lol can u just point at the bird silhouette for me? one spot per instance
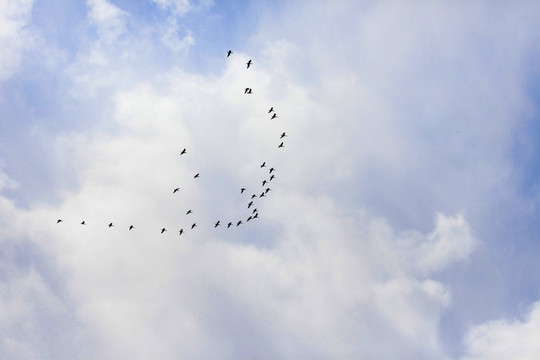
(59, 221)
(163, 230)
(274, 115)
(217, 224)
(280, 145)
(238, 223)
(196, 176)
(242, 190)
(249, 205)
(249, 218)
(254, 211)
(250, 91)
(271, 178)
(131, 227)
(229, 53)
(83, 223)
(246, 90)
(253, 196)
(263, 164)
(262, 195)
(183, 152)
(267, 190)
(229, 225)
(189, 212)
(194, 224)
(175, 190)
(181, 231)
(248, 64)
(111, 225)
(264, 182)
(282, 136)
(271, 109)
(271, 169)
(256, 216)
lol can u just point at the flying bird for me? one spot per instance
(272, 169)
(238, 223)
(246, 90)
(217, 224)
(111, 225)
(163, 230)
(263, 164)
(181, 231)
(196, 176)
(254, 211)
(83, 223)
(264, 182)
(194, 224)
(282, 136)
(175, 190)
(250, 91)
(242, 190)
(249, 218)
(256, 216)
(131, 227)
(274, 115)
(267, 190)
(229, 53)
(183, 152)
(59, 221)
(229, 225)
(280, 145)
(253, 196)
(248, 64)
(249, 205)
(271, 109)
(263, 194)
(189, 212)
(272, 177)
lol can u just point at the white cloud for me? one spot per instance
(178, 7)
(109, 19)
(505, 339)
(170, 37)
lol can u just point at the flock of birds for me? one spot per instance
(253, 213)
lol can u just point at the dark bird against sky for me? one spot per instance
(229, 53)
(248, 64)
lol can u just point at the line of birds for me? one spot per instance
(254, 213)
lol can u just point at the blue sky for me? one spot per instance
(404, 210)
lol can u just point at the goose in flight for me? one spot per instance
(280, 145)
(271, 109)
(59, 221)
(229, 53)
(254, 211)
(196, 176)
(229, 225)
(181, 231)
(248, 63)
(183, 152)
(192, 226)
(249, 205)
(242, 190)
(175, 190)
(272, 169)
(250, 91)
(272, 177)
(217, 224)
(264, 182)
(253, 196)
(246, 90)
(238, 223)
(263, 164)
(256, 216)
(83, 223)
(189, 212)
(131, 227)
(267, 190)
(274, 115)
(249, 218)
(163, 230)
(262, 195)
(111, 225)
(282, 136)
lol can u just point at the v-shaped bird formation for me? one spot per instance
(254, 213)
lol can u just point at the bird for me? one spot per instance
(249, 218)
(83, 223)
(248, 63)
(274, 115)
(271, 169)
(175, 190)
(263, 194)
(217, 224)
(194, 224)
(242, 190)
(254, 211)
(196, 176)
(253, 196)
(246, 90)
(272, 177)
(250, 91)
(181, 231)
(131, 227)
(263, 164)
(189, 212)
(280, 145)
(256, 216)
(183, 152)
(282, 136)
(229, 53)
(249, 205)
(238, 223)
(59, 221)
(267, 190)
(163, 230)
(264, 182)
(229, 225)
(271, 109)
(111, 225)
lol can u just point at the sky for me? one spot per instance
(402, 222)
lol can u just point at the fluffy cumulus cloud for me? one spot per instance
(385, 156)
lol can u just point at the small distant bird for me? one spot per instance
(131, 227)
(59, 221)
(254, 211)
(111, 225)
(263, 164)
(181, 231)
(272, 177)
(250, 91)
(175, 190)
(194, 224)
(271, 109)
(238, 223)
(163, 230)
(196, 176)
(253, 196)
(183, 152)
(229, 225)
(229, 53)
(189, 212)
(282, 136)
(249, 218)
(267, 190)
(83, 223)
(280, 145)
(249, 205)
(256, 216)
(264, 182)
(271, 169)
(262, 195)
(248, 64)
(242, 190)
(246, 90)
(274, 115)
(217, 224)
